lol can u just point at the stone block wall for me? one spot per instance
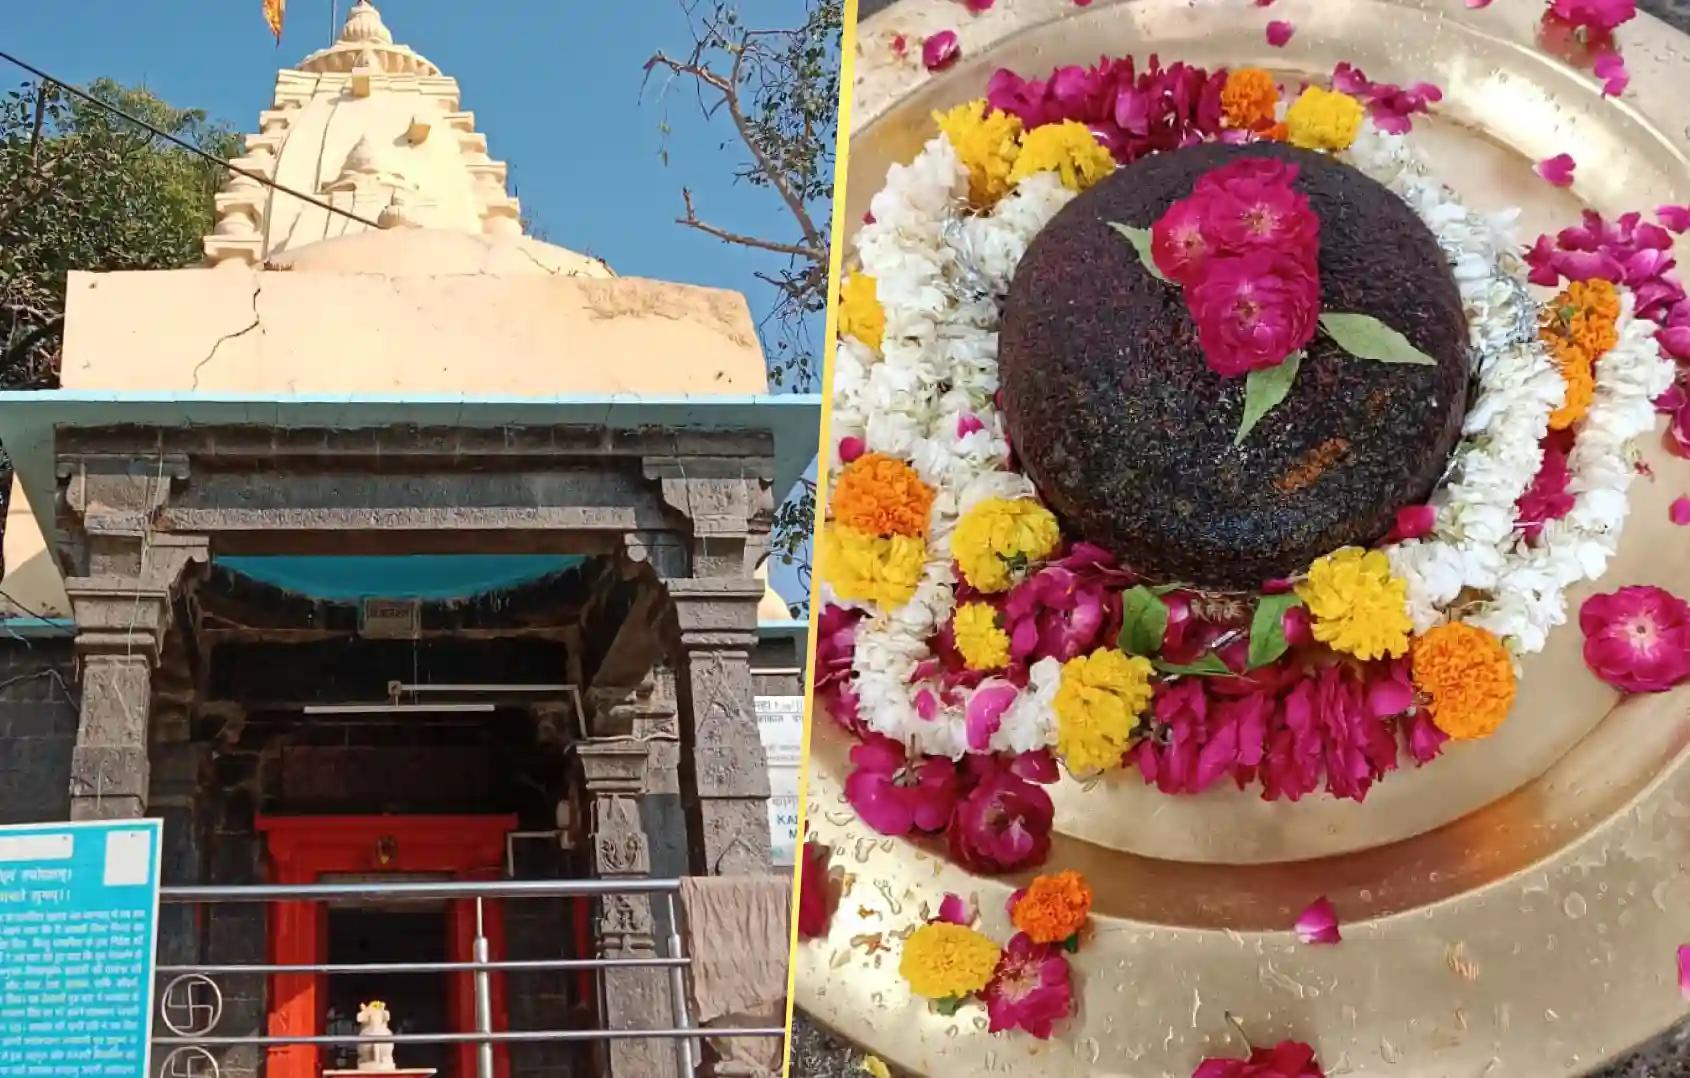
(38, 716)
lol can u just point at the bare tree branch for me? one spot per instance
(691, 221)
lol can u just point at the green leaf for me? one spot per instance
(1207, 666)
(1267, 628)
(1140, 239)
(1144, 620)
(949, 1005)
(1366, 337)
(1263, 390)
(1072, 944)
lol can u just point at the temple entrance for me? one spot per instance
(370, 929)
(372, 933)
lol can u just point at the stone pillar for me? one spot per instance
(121, 622)
(724, 773)
(614, 773)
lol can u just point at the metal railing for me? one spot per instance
(484, 1037)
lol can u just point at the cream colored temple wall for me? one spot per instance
(271, 332)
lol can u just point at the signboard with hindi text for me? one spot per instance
(780, 721)
(78, 930)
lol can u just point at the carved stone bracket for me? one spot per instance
(121, 626)
(645, 711)
(728, 506)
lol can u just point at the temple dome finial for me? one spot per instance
(363, 24)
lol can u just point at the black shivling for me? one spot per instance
(1128, 434)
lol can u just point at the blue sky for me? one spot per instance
(555, 85)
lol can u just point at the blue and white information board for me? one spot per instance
(78, 930)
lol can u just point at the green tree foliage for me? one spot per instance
(780, 90)
(82, 189)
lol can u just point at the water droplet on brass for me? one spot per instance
(892, 902)
(1574, 906)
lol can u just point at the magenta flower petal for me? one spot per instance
(1610, 68)
(1287, 1059)
(1279, 32)
(1684, 970)
(1475, 4)
(967, 424)
(1413, 521)
(1637, 639)
(941, 50)
(1558, 170)
(1297, 626)
(851, 448)
(1676, 218)
(1318, 923)
(977, 6)
(953, 910)
(1680, 511)
(985, 711)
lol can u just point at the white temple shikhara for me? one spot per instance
(416, 448)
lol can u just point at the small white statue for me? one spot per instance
(373, 1022)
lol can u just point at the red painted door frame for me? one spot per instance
(305, 848)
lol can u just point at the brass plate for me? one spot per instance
(1512, 909)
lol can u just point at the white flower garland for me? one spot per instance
(1477, 553)
(940, 273)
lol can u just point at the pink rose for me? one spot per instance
(1030, 989)
(894, 794)
(1002, 825)
(1637, 639)
(1254, 310)
(1177, 242)
(1251, 204)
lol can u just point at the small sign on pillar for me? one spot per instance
(390, 619)
(780, 722)
(78, 926)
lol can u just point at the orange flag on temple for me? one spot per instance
(273, 11)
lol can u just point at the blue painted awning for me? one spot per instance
(433, 577)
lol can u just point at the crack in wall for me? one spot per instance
(257, 287)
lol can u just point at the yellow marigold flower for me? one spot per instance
(1249, 98)
(881, 495)
(987, 142)
(1467, 676)
(1322, 119)
(984, 646)
(1068, 148)
(1356, 605)
(943, 961)
(874, 1067)
(1000, 537)
(871, 568)
(860, 313)
(1097, 706)
(1053, 908)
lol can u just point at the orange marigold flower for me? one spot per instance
(1595, 296)
(1467, 677)
(1278, 132)
(881, 495)
(1052, 908)
(1249, 98)
(1580, 377)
